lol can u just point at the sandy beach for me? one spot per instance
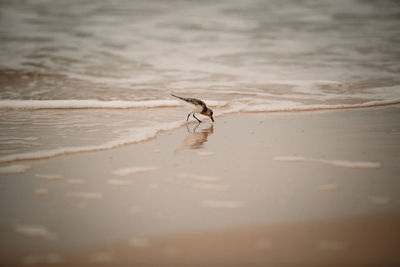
(99, 167)
(276, 189)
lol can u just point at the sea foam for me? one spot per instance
(239, 105)
(336, 163)
(134, 170)
(118, 182)
(137, 136)
(204, 178)
(289, 106)
(95, 104)
(12, 169)
(85, 195)
(34, 231)
(51, 177)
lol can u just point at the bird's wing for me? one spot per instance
(193, 104)
(195, 101)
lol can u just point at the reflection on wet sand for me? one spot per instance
(197, 135)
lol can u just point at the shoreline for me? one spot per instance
(49, 154)
(246, 173)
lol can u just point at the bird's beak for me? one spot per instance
(212, 119)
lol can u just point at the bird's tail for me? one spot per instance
(177, 96)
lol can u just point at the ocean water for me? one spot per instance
(85, 75)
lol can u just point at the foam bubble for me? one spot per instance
(351, 164)
(51, 177)
(289, 158)
(328, 187)
(41, 191)
(197, 177)
(85, 195)
(118, 182)
(12, 169)
(336, 163)
(75, 181)
(34, 231)
(134, 170)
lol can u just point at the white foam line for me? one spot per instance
(202, 178)
(52, 177)
(336, 163)
(94, 104)
(205, 153)
(144, 134)
(34, 231)
(238, 106)
(134, 170)
(75, 181)
(328, 187)
(118, 182)
(84, 104)
(235, 107)
(41, 191)
(351, 164)
(283, 107)
(12, 169)
(85, 195)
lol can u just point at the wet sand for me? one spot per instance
(358, 241)
(279, 189)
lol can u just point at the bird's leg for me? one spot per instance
(195, 128)
(196, 118)
(188, 116)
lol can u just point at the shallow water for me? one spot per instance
(116, 63)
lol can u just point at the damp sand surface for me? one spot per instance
(337, 242)
(321, 187)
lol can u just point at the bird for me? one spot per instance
(197, 106)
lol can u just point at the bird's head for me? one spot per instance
(210, 113)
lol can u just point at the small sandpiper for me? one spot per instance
(197, 106)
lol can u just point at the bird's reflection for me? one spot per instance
(197, 135)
